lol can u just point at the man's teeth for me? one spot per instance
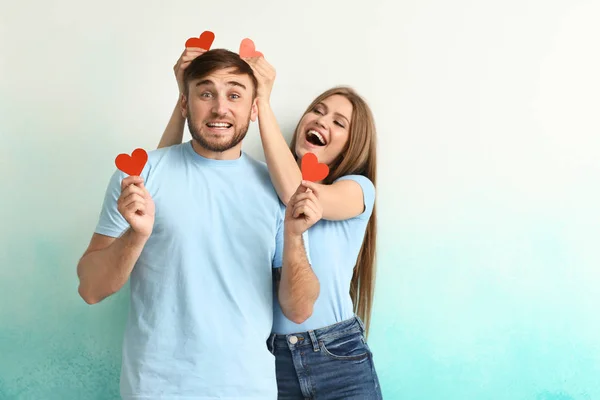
(219, 125)
(318, 135)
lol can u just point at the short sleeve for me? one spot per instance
(111, 222)
(368, 190)
(278, 257)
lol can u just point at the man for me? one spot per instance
(197, 233)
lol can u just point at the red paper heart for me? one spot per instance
(247, 49)
(134, 164)
(312, 169)
(204, 41)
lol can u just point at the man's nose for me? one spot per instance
(220, 106)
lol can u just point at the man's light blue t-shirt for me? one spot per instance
(201, 291)
(333, 248)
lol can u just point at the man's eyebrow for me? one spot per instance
(205, 82)
(211, 83)
(236, 83)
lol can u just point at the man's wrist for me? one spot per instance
(137, 239)
(291, 235)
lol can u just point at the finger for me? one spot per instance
(135, 207)
(311, 185)
(306, 211)
(305, 195)
(131, 180)
(132, 189)
(261, 67)
(189, 58)
(298, 211)
(265, 66)
(305, 204)
(132, 198)
(146, 193)
(184, 65)
(193, 52)
(300, 189)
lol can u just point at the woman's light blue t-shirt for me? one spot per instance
(333, 248)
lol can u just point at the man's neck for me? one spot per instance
(231, 154)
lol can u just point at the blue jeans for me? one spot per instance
(334, 362)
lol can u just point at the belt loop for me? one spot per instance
(360, 323)
(313, 339)
(272, 342)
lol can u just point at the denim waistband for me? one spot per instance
(311, 338)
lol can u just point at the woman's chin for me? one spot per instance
(309, 149)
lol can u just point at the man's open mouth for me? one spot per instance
(219, 125)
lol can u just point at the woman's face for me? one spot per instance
(325, 129)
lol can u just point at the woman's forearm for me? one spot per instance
(173, 133)
(283, 168)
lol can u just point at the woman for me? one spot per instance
(326, 356)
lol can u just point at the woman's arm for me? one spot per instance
(283, 168)
(173, 133)
(340, 200)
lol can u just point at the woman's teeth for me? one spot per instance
(316, 135)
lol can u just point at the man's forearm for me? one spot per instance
(299, 287)
(103, 272)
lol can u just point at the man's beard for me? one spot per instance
(216, 145)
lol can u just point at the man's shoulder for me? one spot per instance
(260, 172)
(259, 168)
(155, 155)
(256, 164)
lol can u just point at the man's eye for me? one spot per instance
(205, 94)
(235, 96)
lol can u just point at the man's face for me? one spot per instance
(219, 108)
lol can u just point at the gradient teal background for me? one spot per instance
(488, 190)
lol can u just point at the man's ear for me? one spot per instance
(254, 112)
(183, 105)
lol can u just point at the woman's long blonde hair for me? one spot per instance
(358, 157)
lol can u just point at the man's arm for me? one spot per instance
(107, 264)
(299, 287)
(108, 261)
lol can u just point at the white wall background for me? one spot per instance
(489, 144)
